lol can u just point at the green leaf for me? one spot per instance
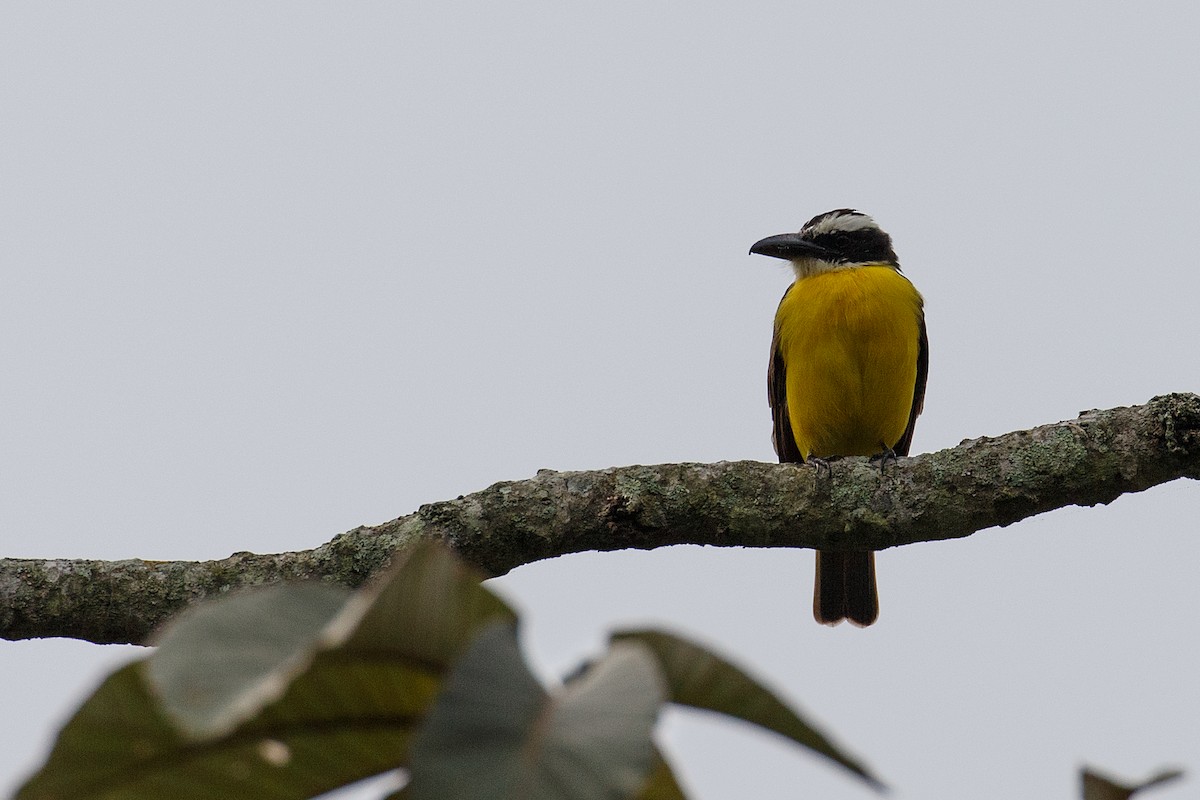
(219, 663)
(494, 733)
(661, 784)
(1098, 787)
(119, 746)
(316, 692)
(427, 607)
(699, 678)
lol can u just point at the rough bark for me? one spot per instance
(850, 504)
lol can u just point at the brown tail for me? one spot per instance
(845, 588)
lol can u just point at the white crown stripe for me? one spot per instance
(834, 223)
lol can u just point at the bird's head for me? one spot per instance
(839, 238)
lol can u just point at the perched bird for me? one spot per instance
(849, 361)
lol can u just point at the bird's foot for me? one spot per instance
(883, 458)
(823, 464)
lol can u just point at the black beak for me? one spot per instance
(789, 246)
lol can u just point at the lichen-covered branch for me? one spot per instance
(981, 483)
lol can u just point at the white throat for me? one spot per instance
(807, 267)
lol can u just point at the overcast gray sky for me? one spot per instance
(272, 271)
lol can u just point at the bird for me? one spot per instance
(847, 374)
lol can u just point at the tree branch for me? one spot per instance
(953, 493)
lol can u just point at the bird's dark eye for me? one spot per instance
(840, 242)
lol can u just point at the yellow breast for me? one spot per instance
(849, 339)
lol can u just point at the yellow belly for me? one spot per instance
(849, 339)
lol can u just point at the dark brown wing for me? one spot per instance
(901, 447)
(781, 435)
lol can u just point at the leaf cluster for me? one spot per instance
(293, 690)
